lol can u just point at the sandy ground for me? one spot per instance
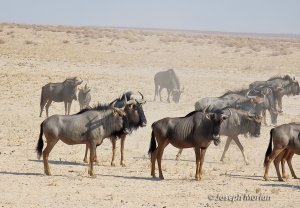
(111, 61)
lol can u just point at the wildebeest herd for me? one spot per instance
(231, 114)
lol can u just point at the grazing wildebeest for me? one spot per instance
(240, 122)
(89, 126)
(281, 85)
(196, 129)
(132, 102)
(84, 97)
(59, 92)
(283, 137)
(169, 80)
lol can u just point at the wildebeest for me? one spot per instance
(84, 97)
(59, 92)
(196, 129)
(89, 126)
(169, 80)
(240, 122)
(132, 103)
(283, 137)
(281, 85)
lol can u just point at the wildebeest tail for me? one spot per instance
(40, 144)
(152, 146)
(269, 150)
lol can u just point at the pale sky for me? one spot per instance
(254, 16)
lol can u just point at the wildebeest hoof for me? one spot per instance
(161, 177)
(266, 178)
(280, 179)
(123, 164)
(247, 163)
(113, 164)
(217, 142)
(85, 161)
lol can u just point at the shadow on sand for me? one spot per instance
(60, 162)
(16, 173)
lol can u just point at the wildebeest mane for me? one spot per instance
(176, 80)
(239, 92)
(285, 77)
(98, 107)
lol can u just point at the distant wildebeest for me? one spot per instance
(132, 103)
(283, 137)
(169, 80)
(239, 122)
(59, 92)
(197, 129)
(281, 85)
(84, 97)
(89, 126)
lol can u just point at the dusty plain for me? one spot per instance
(112, 60)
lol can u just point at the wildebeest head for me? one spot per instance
(216, 117)
(254, 125)
(121, 119)
(295, 87)
(133, 107)
(176, 93)
(71, 86)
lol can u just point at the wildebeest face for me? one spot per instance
(176, 95)
(254, 125)
(135, 114)
(121, 120)
(295, 88)
(216, 118)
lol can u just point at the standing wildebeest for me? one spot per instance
(59, 92)
(84, 97)
(197, 129)
(240, 122)
(132, 103)
(169, 80)
(283, 137)
(281, 85)
(89, 126)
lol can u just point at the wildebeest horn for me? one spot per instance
(249, 96)
(142, 101)
(204, 111)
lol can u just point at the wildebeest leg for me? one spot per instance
(113, 142)
(279, 98)
(50, 144)
(66, 107)
(153, 160)
(202, 155)
(43, 103)
(47, 107)
(69, 107)
(239, 144)
(276, 164)
(178, 154)
(264, 117)
(289, 161)
(169, 92)
(197, 154)
(85, 155)
(160, 150)
(122, 163)
(92, 157)
(229, 139)
(160, 89)
(283, 160)
(272, 156)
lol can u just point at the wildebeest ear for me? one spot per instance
(209, 116)
(118, 111)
